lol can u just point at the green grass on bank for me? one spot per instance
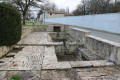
(27, 25)
(30, 24)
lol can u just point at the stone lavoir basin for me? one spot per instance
(70, 51)
(69, 55)
(46, 55)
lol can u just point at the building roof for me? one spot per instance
(68, 14)
(56, 12)
(60, 12)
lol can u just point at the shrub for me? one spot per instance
(10, 25)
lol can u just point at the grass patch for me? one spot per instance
(33, 25)
(16, 77)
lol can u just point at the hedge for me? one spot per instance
(10, 25)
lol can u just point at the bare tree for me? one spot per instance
(49, 6)
(96, 7)
(24, 5)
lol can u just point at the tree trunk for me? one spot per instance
(23, 19)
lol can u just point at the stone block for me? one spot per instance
(80, 64)
(101, 63)
(57, 65)
(89, 74)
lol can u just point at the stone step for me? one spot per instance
(88, 55)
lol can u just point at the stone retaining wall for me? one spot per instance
(40, 28)
(78, 35)
(104, 48)
(26, 31)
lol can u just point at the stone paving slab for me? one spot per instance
(59, 75)
(36, 38)
(4, 66)
(57, 65)
(99, 73)
(89, 74)
(30, 58)
(6, 59)
(80, 64)
(2, 74)
(50, 60)
(20, 58)
(25, 75)
(96, 63)
(99, 63)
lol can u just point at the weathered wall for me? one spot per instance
(78, 35)
(56, 36)
(39, 28)
(71, 48)
(63, 28)
(26, 31)
(104, 48)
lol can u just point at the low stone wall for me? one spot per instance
(105, 49)
(40, 28)
(78, 35)
(71, 48)
(57, 36)
(26, 31)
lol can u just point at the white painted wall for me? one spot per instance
(107, 22)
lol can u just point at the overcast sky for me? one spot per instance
(63, 4)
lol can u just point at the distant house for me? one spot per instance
(57, 14)
(68, 14)
(54, 14)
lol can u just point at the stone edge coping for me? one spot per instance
(78, 29)
(81, 64)
(94, 63)
(56, 24)
(104, 40)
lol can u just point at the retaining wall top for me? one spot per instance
(104, 40)
(80, 30)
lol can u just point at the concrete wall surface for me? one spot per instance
(106, 22)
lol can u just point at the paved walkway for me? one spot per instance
(40, 63)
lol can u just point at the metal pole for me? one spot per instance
(44, 17)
